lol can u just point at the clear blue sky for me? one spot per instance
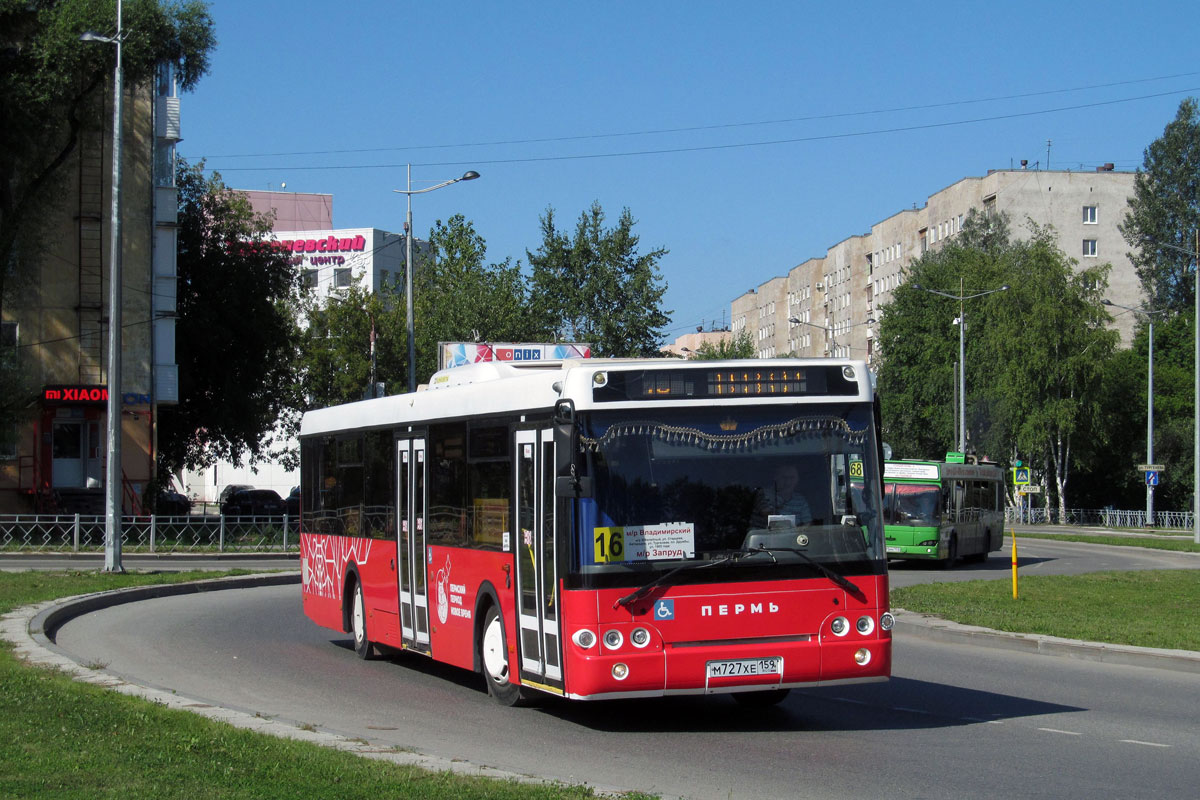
(745, 138)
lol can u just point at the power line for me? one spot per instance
(731, 146)
(719, 126)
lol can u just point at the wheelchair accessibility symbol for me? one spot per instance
(664, 609)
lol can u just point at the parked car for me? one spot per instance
(229, 490)
(172, 503)
(253, 502)
(291, 503)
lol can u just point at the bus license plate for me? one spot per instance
(893, 549)
(734, 668)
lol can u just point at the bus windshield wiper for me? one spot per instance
(642, 591)
(840, 580)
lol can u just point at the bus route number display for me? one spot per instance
(747, 383)
(671, 540)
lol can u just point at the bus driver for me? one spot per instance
(786, 498)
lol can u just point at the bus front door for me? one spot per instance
(410, 549)
(537, 580)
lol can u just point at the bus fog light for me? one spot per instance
(865, 625)
(840, 626)
(613, 639)
(640, 637)
(620, 671)
(887, 621)
(584, 638)
(862, 656)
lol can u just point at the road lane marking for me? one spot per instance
(1145, 744)
(1056, 730)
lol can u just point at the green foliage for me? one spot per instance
(595, 287)
(236, 332)
(52, 87)
(1035, 354)
(1164, 213)
(919, 341)
(1145, 609)
(457, 297)
(335, 347)
(738, 346)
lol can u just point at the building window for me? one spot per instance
(309, 279)
(989, 206)
(1089, 215)
(8, 334)
(341, 278)
(1089, 247)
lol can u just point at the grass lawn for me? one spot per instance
(1147, 609)
(1180, 544)
(62, 739)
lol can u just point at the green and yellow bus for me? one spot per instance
(942, 511)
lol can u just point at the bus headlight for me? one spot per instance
(865, 625)
(584, 638)
(887, 621)
(840, 626)
(640, 637)
(613, 639)
(848, 373)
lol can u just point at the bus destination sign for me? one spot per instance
(703, 384)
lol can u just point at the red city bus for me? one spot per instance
(608, 528)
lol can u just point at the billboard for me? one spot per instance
(457, 354)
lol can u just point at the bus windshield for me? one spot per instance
(911, 504)
(674, 486)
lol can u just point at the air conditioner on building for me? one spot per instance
(820, 286)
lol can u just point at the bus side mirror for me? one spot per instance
(572, 486)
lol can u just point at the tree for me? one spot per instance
(1164, 212)
(918, 341)
(739, 346)
(335, 347)
(457, 297)
(595, 287)
(1048, 350)
(235, 334)
(52, 88)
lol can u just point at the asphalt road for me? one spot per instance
(955, 720)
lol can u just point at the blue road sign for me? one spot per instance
(1021, 475)
(1151, 477)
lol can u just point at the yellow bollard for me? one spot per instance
(1013, 533)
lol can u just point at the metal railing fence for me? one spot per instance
(1098, 518)
(74, 533)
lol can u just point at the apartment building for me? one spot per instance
(837, 299)
(56, 458)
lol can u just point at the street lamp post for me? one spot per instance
(1196, 379)
(828, 329)
(1149, 401)
(113, 472)
(962, 352)
(470, 175)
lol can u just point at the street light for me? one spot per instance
(962, 352)
(1196, 384)
(113, 472)
(469, 175)
(828, 329)
(1149, 401)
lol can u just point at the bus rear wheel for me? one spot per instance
(358, 625)
(493, 655)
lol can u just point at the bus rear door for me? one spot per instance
(410, 549)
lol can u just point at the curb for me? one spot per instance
(30, 630)
(937, 629)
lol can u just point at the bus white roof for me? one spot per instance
(506, 388)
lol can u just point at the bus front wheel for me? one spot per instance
(493, 654)
(358, 625)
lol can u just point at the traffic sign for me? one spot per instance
(1150, 467)
(1021, 476)
(1030, 489)
(1152, 477)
